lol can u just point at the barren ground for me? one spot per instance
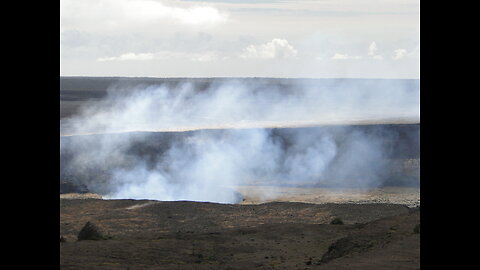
(292, 231)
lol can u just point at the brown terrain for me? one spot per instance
(146, 234)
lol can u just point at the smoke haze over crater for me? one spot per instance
(121, 148)
(233, 103)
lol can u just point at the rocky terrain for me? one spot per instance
(143, 234)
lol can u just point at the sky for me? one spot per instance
(228, 38)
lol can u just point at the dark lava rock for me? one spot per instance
(336, 221)
(416, 229)
(345, 246)
(90, 232)
(69, 187)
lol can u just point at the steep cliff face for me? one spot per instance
(68, 186)
(407, 166)
(388, 156)
(294, 132)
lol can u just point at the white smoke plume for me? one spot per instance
(130, 144)
(234, 104)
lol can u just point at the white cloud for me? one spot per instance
(135, 15)
(117, 37)
(399, 54)
(163, 55)
(277, 48)
(339, 56)
(204, 57)
(372, 49)
(151, 10)
(128, 56)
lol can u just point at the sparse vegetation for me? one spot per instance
(198, 237)
(336, 221)
(90, 232)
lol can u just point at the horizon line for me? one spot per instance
(235, 77)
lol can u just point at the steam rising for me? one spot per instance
(129, 144)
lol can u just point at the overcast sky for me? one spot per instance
(228, 38)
